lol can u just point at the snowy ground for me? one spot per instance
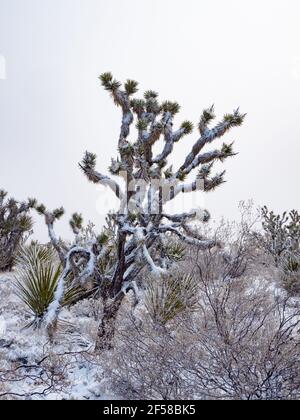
(31, 368)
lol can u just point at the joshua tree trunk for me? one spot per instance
(111, 306)
(106, 330)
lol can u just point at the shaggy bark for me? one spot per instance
(106, 330)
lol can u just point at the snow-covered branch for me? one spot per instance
(157, 271)
(201, 244)
(88, 168)
(209, 135)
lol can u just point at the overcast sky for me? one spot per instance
(231, 53)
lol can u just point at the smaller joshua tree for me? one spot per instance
(15, 223)
(282, 241)
(140, 231)
(282, 232)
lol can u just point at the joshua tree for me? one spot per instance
(282, 239)
(142, 227)
(14, 224)
(282, 232)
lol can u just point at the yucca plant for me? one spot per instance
(175, 250)
(36, 279)
(168, 297)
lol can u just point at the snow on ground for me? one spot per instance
(32, 368)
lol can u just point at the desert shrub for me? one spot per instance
(242, 342)
(243, 350)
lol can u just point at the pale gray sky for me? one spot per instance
(230, 53)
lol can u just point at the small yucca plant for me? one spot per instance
(36, 280)
(170, 296)
(175, 250)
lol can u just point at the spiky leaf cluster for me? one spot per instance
(142, 124)
(76, 222)
(58, 213)
(108, 82)
(131, 87)
(235, 119)
(150, 94)
(172, 107)
(89, 160)
(36, 280)
(175, 250)
(187, 126)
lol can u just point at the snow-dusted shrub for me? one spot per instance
(241, 344)
(15, 224)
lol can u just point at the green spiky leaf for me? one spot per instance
(150, 94)
(32, 202)
(108, 82)
(137, 105)
(168, 172)
(172, 107)
(131, 87)
(41, 209)
(162, 163)
(227, 149)
(106, 78)
(172, 296)
(126, 149)
(103, 238)
(235, 119)
(187, 126)
(25, 223)
(142, 124)
(3, 194)
(181, 175)
(175, 250)
(76, 222)
(36, 281)
(89, 160)
(208, 114)
(58, 213)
